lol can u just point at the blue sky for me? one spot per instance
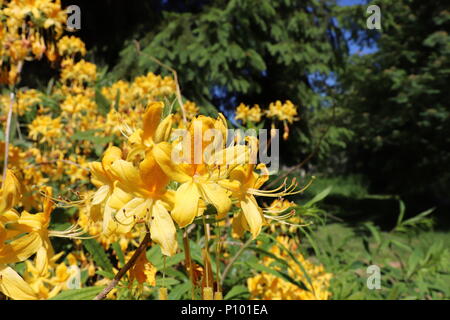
(354, 49)
(350, 2)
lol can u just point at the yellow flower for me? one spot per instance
(9, 192)
(12, 285)
(247, 114)
(136, 198)
(197, 180)
(70, 46)
(244, 183)
(47, 128)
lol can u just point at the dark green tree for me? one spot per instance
(398, 99)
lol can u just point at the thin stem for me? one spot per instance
(219, 287)
(175, 77)
(188, 261)
(207, 258)
(8, 129)
(140, 250)
(233, 260)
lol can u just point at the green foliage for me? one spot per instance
(398, 99)
(79, 294)
(98, 254)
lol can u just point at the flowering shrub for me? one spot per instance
(95, 163)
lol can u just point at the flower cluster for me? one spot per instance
(26, 25)
(283, 112)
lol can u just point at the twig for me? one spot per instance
(140, 250)
(8, 128)
(175, 77)
(233, 260)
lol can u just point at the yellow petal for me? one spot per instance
(111, 154)
(186, 204)
(231, 156)
(31, 222)
(10, 192)
(42, 261)
(107, 219)
(232, 185)
(152, 175)
(20, 249)
(162, 229)
(9, 216)
(119, 198)
(130, 213)
(253, 215)
(152, 118)
(13, 286)
(163, 130)
(217, 196)
(101, 194)
(163, 153)
(128, 176)
(99, 176)
(239, 225)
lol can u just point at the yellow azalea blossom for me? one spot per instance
(102, 177)
(138, 198)
(247, 114)
(245, 183)
(197, 180)
(70, 45)
(46, 128)
(154, 131)
(285, 112)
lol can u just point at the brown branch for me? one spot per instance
(140, 250)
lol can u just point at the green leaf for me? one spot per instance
(99, 255)
(236, 291)
(160, 282)
(103, 104)
(88, 293)
(177, 292)
(319, 197)
(106, 274)
(119, 253)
